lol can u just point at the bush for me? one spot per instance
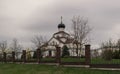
(35, 55)
(1, 57)
(65, 51)
(107, 54)
(9, 56)
(116, 54)
(22, 56)
(28, 55)
(82, 56)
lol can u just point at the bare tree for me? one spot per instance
(80, 31)
(38, 40)
(108, 44)
(3, 46)
(118, 44)
(16, 47)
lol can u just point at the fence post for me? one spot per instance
(38, 55)
(4, 56)
(13, 56)
(87, 54)
(58, 55)
(24, 56)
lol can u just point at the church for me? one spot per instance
(60, 38)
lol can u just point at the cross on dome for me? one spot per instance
(61, 25)
(61, 19)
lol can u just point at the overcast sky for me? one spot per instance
(22, 19)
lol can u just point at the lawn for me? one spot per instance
(102, 61)
(47, 69)
(69, 59)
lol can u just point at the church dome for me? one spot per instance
(61, 25)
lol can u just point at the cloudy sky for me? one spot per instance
(22, 19)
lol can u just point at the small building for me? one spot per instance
(60, 39)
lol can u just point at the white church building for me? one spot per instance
(61, 38)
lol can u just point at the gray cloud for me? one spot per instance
(25, 18)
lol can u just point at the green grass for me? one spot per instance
(48, 59)
(102, 61)
(47, 69)
(68, 59)
(73, 59)
(93, 60)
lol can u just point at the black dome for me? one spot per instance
(61, 25)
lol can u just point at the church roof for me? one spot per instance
(61, 32)
(68, 40)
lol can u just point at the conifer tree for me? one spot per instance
(65, 51)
